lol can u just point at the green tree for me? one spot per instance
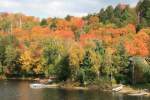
(10, 40)
(43, 22)
(110, 14)
(11, 59)
(108, 69)
(128, 16)
(52, 53)
(102, 15)
(8, 52)
(99, 47)
(68, 18)
(121, 62)
(63, 71)
(1, 69)
(29, 25)
(143, 11)
(2, 52)
(78, 33)
(53, 26)
(5, 25)
(91, 65)
(139, 70)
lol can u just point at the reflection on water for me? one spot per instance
(20, 90)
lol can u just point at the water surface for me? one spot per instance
(20, 90)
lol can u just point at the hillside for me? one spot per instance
(94, 48)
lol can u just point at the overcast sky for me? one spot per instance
(58, 8)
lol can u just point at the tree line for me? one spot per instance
(111, 46)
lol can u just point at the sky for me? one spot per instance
(58, 8)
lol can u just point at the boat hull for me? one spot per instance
(37, 86)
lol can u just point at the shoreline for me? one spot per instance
(126, 90)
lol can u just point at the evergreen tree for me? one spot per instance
(143, 11)
(43, 22)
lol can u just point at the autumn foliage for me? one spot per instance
(74, 48)
(139, 44)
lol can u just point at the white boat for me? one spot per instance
(49, 81)
(118, 88)
(137, 94)
(37, 86)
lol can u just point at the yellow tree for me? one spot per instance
(37, 66)
(95, 62)
(30, 62)
(76, 55)
(26, 60)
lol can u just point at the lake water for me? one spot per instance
(20, 90)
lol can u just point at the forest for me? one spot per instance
(111, 46)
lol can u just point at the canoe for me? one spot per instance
(37, 86)
(118, 88)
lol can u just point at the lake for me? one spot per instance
(20, 90)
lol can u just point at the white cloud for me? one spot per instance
(5, 3)
(58, 8)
